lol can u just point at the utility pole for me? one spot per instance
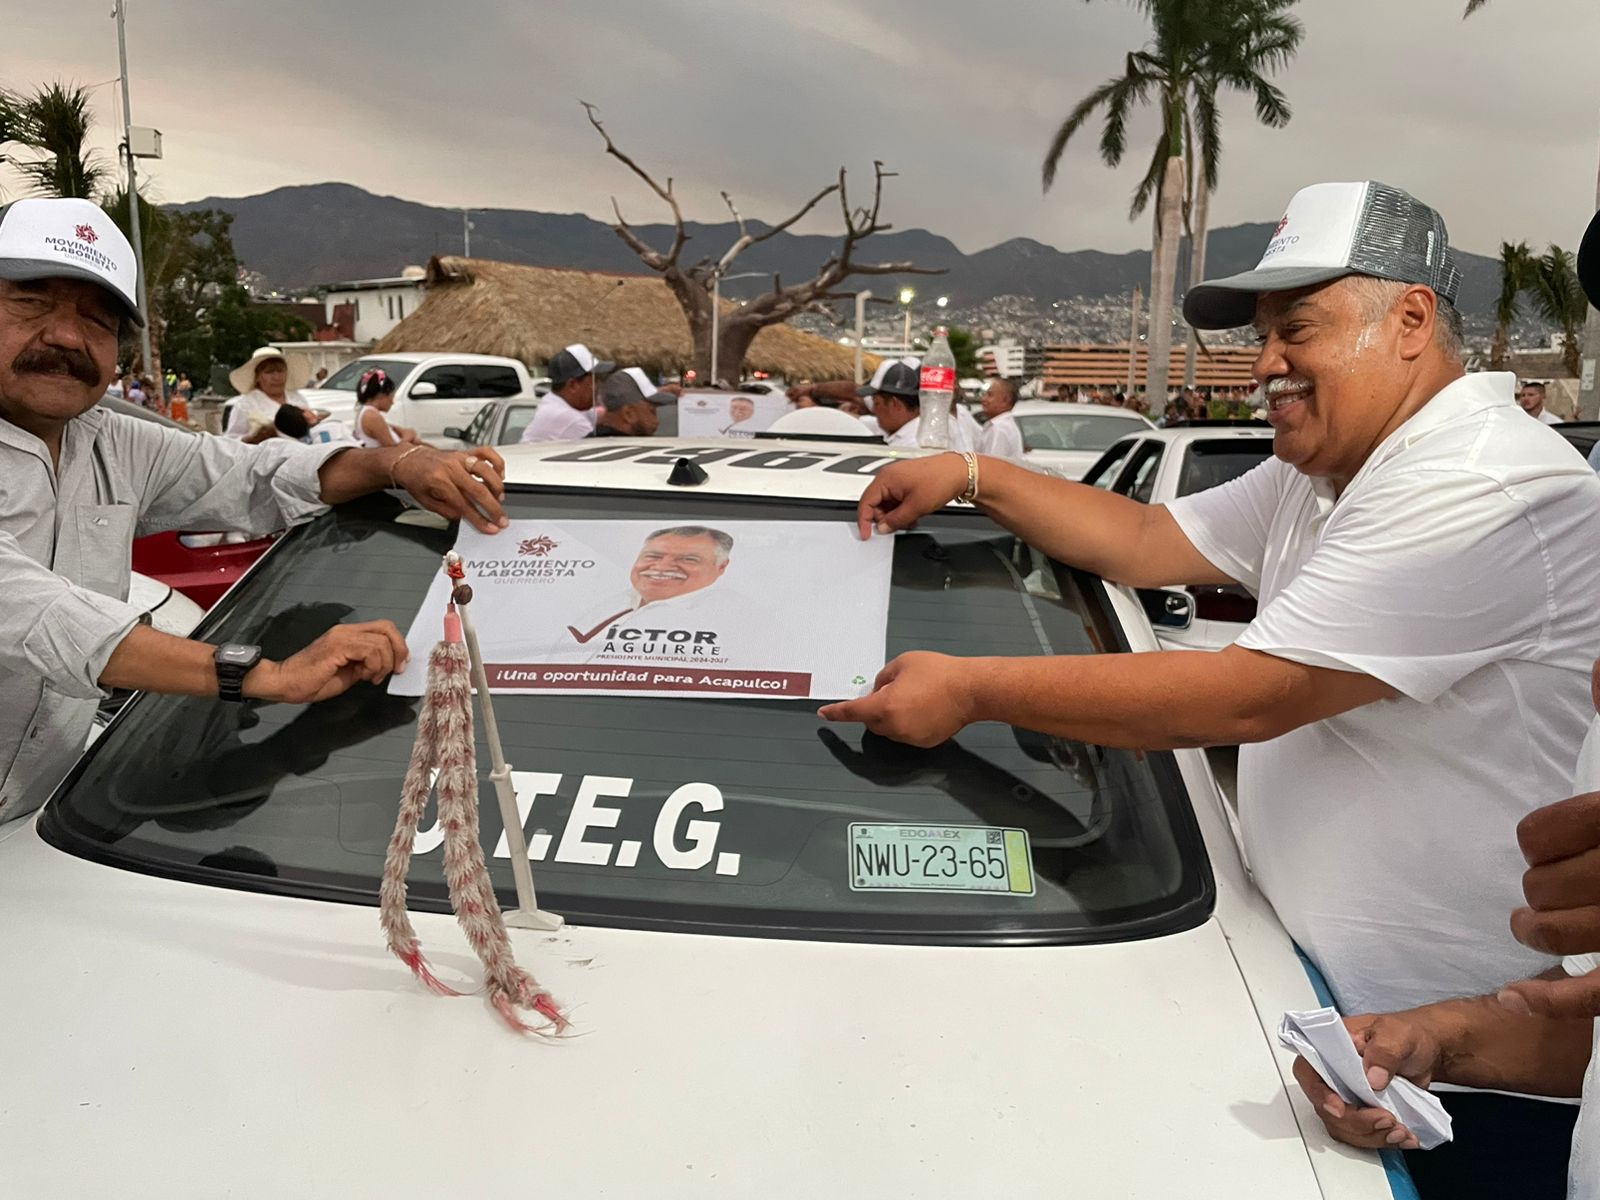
(466, 233)
(1133, 340)
(861, 327)
(133, 196)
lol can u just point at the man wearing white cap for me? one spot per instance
(568, 412)
(78, 482)
(1416, 679)
(895, 390)
(630, 401)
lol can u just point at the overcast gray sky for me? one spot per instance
(1496, 121)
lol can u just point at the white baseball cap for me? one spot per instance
(1329, 231)
(646, 388)
(68, 239)
(575, 362)
(895, 377)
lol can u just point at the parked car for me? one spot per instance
(1582, 434)
(1066, 439)
(501, 422)
(169, 610)
(432, 391)
(192, 946)
(1159, 465)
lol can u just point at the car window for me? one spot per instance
(301, 800)
(347, 376)
(1214, 461)
(1074, 431)
(1104, 472)
(518, 417)
(451, 381)
(489, 380)
(1138, 478)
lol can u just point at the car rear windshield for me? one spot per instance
(1073, 431)
(1214, 461)
(347, 376)
(301, 800)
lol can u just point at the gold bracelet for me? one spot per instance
(393, 482)
(971, 494)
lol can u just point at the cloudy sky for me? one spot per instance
(1496, 121)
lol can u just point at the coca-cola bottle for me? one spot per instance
(938, 391)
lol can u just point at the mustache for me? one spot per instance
(47, 360)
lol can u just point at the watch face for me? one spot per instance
(238, 656)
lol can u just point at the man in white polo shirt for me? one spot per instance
(568, 413)
(1416, 681)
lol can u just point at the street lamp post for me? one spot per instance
(466, 233)
(907, 295)
(133, 198)
(861, 327)
(716, 311)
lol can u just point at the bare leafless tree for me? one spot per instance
(692, 282)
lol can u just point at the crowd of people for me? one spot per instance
(1415, 702)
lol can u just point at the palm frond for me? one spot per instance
(1472, 7)
(1208, 131)
(1074, 122)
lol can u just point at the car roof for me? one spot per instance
(412, 356)
(1193, 433)
(1035, 408)
(769, 468)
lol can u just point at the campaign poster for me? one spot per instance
(728, 414)
(780, 609)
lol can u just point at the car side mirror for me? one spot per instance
(451, 431)
(421, 391)
(1167, 608)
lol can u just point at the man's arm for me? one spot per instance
(1473, 1042)
(151, 661)
(1131, 701)
(1110, 535)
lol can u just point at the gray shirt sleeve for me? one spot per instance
(198, 482)
(55, 630)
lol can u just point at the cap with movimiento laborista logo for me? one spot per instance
(1329, 231)
(895, 377)
(575, 362)
(68, 239)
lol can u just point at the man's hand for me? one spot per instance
(1389, 1046)
(1561, 843)
(463, 485)
(904, 492)
(368, 652)
(922, 699)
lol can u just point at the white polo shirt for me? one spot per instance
(1462, 567)
(557, 421)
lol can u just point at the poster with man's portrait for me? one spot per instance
(728, 414)
(787, 609)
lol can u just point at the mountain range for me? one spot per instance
(302, 236)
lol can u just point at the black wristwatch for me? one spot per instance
(233, 664)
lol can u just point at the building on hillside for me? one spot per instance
(1106, 366)
(365, 310)
(479, 306)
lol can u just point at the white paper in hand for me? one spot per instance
(1320, 1037)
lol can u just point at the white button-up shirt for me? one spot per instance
(1461, 567)
(66, 546)
(557, 421)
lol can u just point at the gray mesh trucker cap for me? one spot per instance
(1332, 230)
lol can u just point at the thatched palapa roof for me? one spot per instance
(479, 306)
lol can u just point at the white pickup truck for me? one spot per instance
(433, 392)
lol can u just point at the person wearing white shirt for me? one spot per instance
(895, 392)
(1001, 437)
(966, 435)
(568, 414)
(264, 382)
(1416, 678)
(1532, 398)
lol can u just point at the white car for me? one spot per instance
(1067, 439)
(169, 610)
(432, 391)
(200, 1000)
(1158, 465)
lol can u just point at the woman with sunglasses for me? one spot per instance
(374, 399)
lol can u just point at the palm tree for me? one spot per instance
(1559, 299)
(1197, 48)
(52, 124)
(1263, 41)
(1516, 275)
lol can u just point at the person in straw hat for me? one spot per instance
(265, 381)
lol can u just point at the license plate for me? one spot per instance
(940, 858)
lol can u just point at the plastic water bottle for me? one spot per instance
(938, 390)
